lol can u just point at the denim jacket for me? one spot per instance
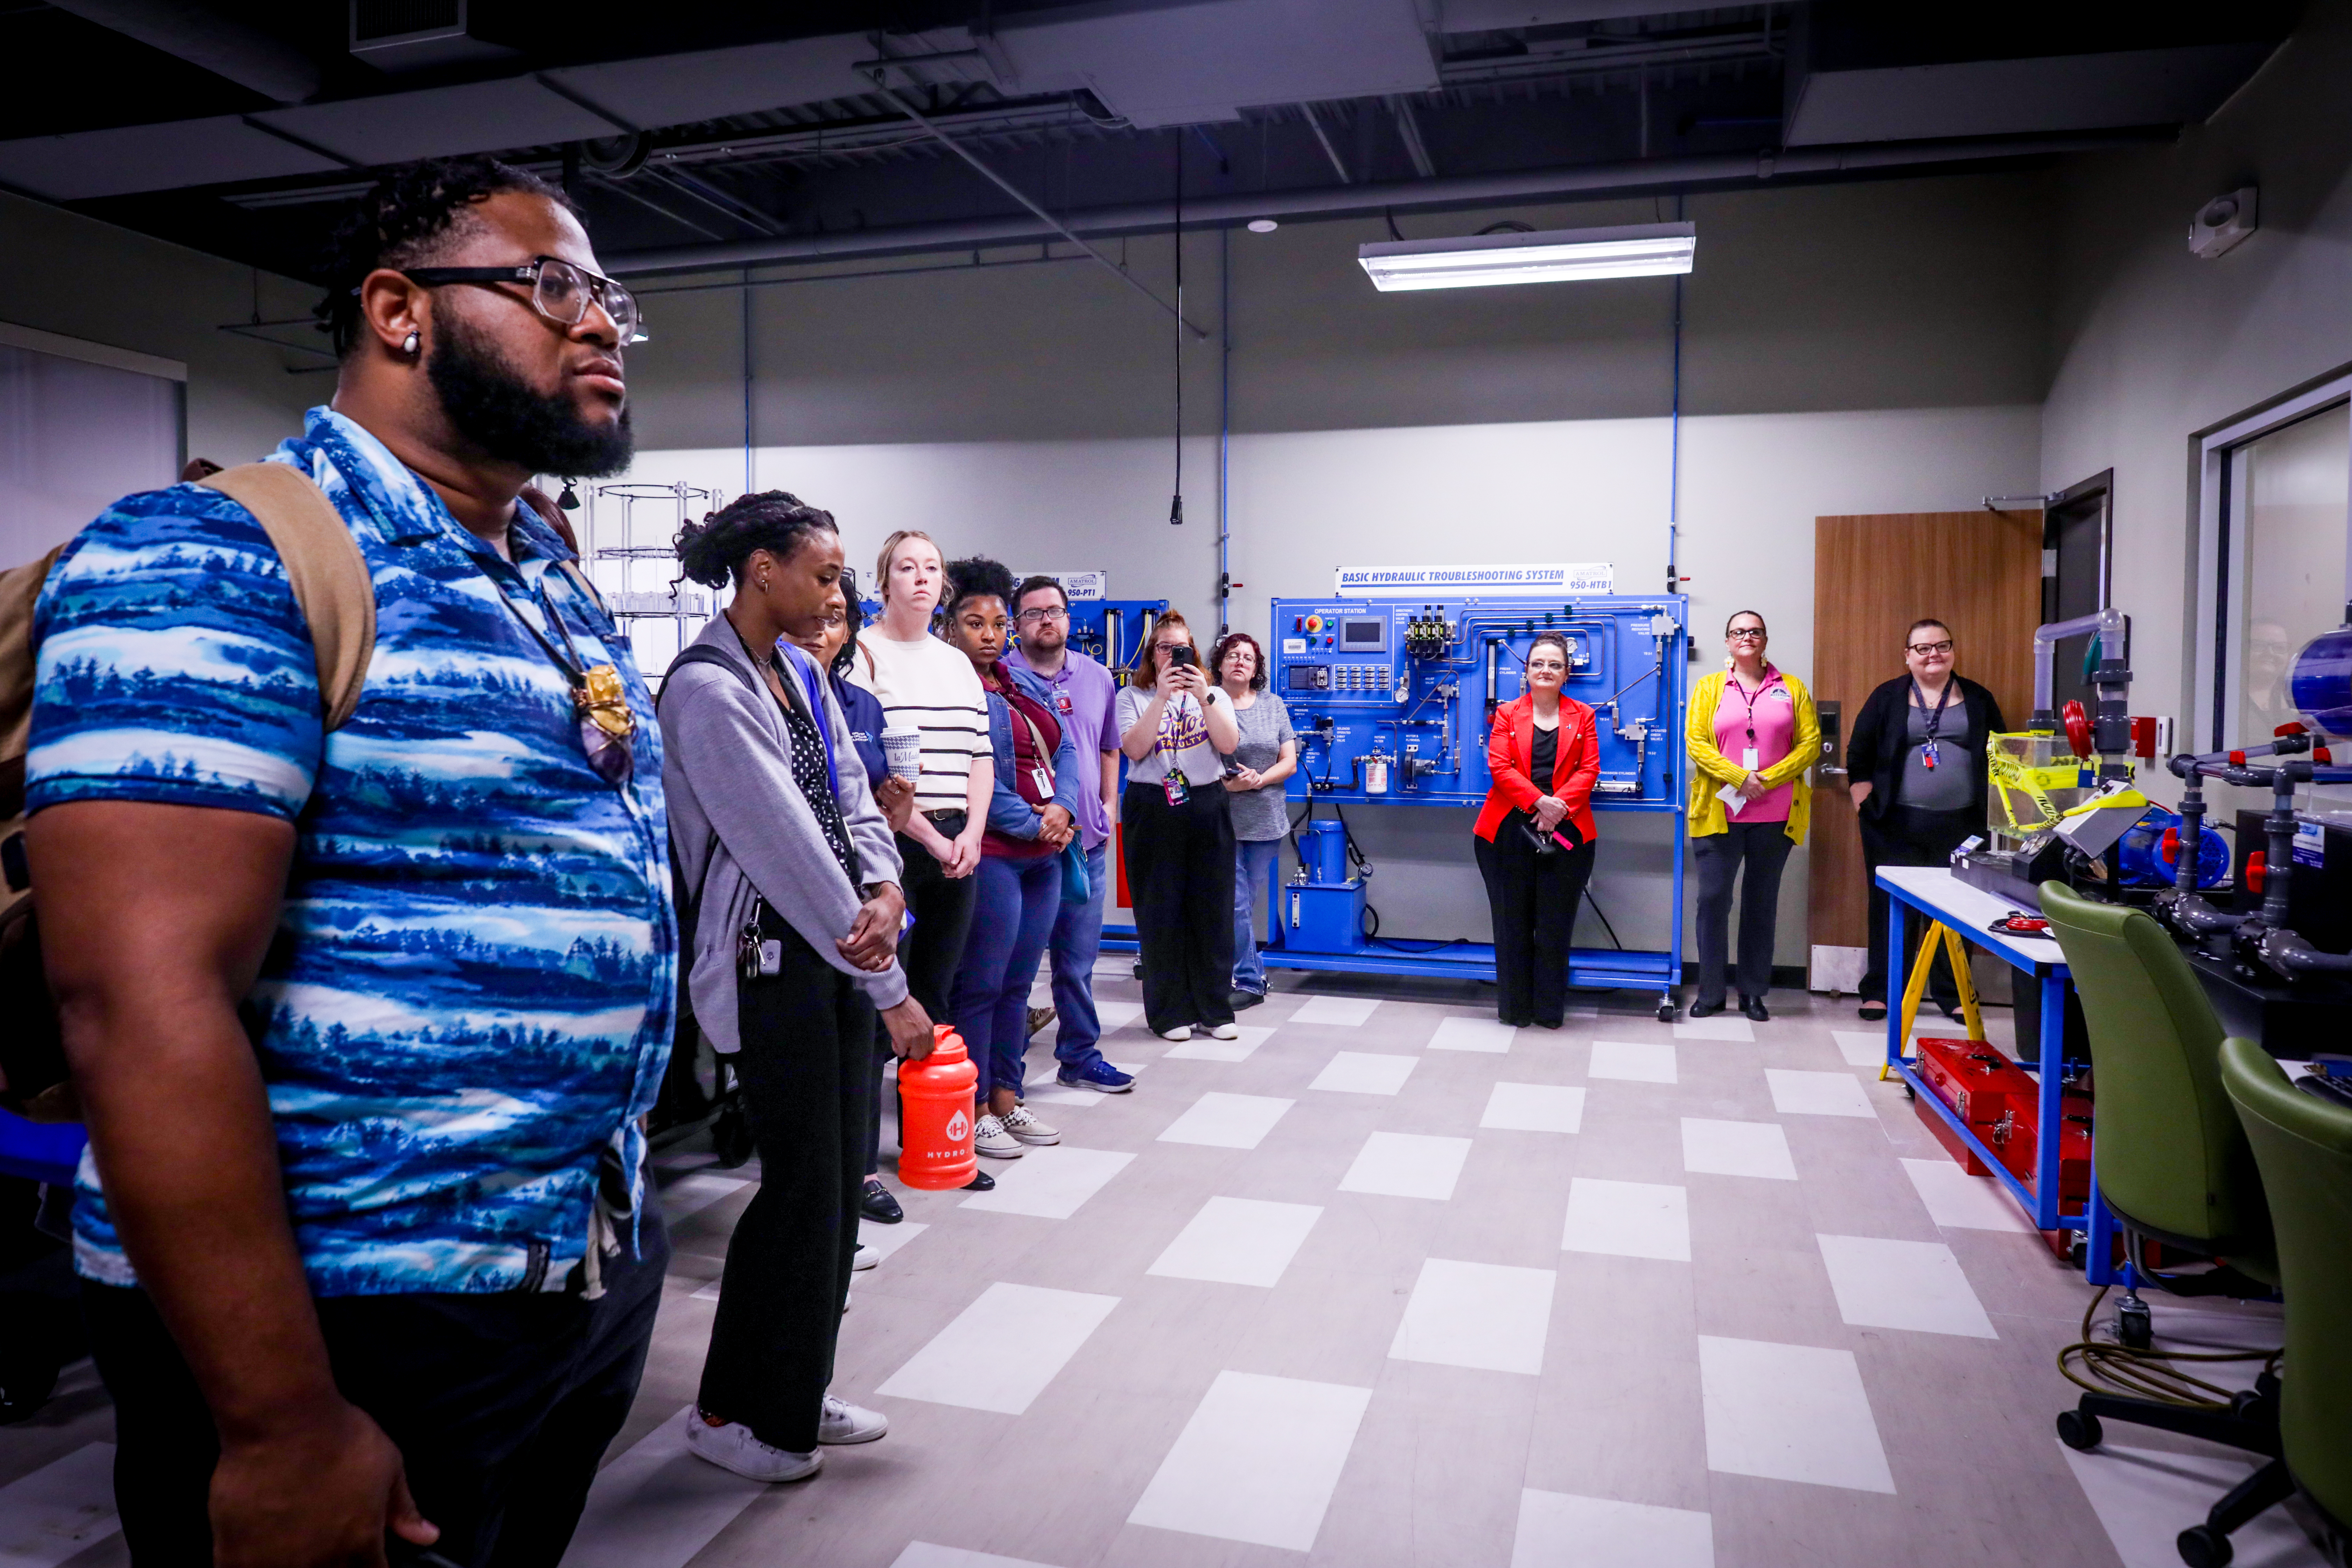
(1007, 813)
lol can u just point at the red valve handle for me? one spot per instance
(2291, 727)
(2078, 728)
(2321, 754)
(2168, 850)
(2257, 868)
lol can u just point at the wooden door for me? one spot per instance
(1978, 572)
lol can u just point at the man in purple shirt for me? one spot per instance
(1083, 694)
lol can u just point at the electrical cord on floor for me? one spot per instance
(1604, 920)
(2108, 1367)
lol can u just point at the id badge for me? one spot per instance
(1178, 787)
(1063, 705)
(1747, 758)
(1044, 781)
(1928, 755)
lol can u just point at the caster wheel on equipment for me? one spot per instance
(2134, 1330)
(2079, 1430)
(2202, 1546)
(1908, 1092)
(1667, 1012)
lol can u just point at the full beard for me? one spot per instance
(491, 406)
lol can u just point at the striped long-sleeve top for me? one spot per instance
(926, 685)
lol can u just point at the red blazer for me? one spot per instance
(1511, 753)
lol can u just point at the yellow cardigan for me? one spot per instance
(1711, 769)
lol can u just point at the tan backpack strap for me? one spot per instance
(324, 565)
(20, 589)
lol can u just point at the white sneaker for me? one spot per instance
(732, 1448)
(842, 1422)
(1180, 1032)
(868, 1257)
(1226, 1032)
(991, 1139)
(1024, 1125)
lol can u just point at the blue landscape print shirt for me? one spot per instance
(467, 1001)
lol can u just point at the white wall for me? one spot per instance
(1849, 348)
(1305, 502)
(2155, 346)
(61, 272)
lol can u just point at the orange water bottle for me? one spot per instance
(935, 1120)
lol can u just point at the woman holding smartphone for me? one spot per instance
(1173, 725)
(1534, 836)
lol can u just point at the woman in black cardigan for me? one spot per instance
(1916, 757)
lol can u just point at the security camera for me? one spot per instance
(2221, 223)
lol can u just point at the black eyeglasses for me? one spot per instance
(1039, 617)
(560, 291)
(1926, 648)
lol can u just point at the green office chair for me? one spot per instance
(2172, 1158)
(2303, 1141)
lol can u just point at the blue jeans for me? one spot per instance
(1077, 943)
(1252, 859)
(1012, 918)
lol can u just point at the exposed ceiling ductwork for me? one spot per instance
(1345, 200)
(201, 37)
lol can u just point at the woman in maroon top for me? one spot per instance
(1031, 817)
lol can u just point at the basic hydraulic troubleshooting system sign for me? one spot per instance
(1544, 582)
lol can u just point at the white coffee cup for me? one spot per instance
(902, 749)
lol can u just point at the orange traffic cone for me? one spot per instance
(935, 1150)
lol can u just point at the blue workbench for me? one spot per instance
(1935, 893)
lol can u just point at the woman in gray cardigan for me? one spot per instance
(793, 879)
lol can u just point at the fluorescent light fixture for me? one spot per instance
(1556, 255)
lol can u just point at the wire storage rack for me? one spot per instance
(638, 576)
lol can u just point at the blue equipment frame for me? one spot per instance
(1414, 683)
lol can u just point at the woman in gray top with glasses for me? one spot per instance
(1267, 755)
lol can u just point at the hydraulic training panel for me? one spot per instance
(1106, 631)
(1393, 699)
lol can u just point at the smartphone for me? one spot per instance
(1181, 657)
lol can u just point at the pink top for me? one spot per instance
(1771, 712)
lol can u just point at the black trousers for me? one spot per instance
(807, 1070)
(1907, 835)
(1533, 899)
(1763, 848)
(1180, 871)
(501, 1407)
(942, 907)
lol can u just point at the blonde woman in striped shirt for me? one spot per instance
(924, 684)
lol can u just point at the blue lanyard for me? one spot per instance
(805, 668)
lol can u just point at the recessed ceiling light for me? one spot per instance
(1262, 225)
(1557, 256)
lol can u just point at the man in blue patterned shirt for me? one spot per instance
(364, 1021)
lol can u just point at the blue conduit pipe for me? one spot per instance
(1224, 430)
(1674, 435)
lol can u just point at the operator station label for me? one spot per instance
(1092, 585)
(1579, 577)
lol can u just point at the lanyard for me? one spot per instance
(805, 668)
(1750, 700)
(1931, 753)
(597, 694)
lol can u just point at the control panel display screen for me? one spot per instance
(1364, 634)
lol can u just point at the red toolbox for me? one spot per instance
(1973, 1078)
(2013, 1139)
(2001, 1103)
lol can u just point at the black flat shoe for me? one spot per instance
(982, 1183)
(1241, 998)
(1705, 1009)
(1874, 1012)
(1516, 1023)
(1754, 1007)
(878, 1205)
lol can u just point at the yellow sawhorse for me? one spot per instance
(1957, 951)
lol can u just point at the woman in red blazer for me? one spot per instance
(1534, 845)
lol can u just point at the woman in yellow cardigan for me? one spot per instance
(1752, 733)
